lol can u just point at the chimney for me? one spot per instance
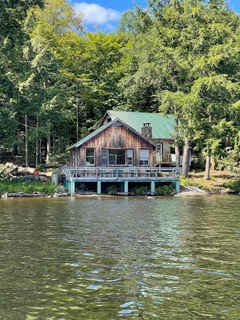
(146, 130)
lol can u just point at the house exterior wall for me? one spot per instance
(117, 137)
(166, 143)
(166, 147)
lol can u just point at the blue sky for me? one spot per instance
(105, 14)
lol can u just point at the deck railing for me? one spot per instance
(119, 172)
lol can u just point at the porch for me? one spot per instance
(123, 175)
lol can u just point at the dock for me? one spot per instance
(123, 176)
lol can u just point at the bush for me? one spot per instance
(112, 189)
(60, 189)
(141, 190)
(165, 190)
(233, 184)
(185, 181)
(26, 186)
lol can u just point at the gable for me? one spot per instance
(116, 122)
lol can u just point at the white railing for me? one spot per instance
(120, 172)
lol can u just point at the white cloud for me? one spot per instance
(95, 14)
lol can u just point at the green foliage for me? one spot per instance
(112, 189)
(97, 69)
(185, 61)
(26, 186)
(141, 190)
(60, 189)
(165, 190)
(178, 57)
(233, 184)
(185, 181)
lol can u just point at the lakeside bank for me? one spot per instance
(221, 182)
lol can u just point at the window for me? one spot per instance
(90, 156)
(113, 157)
(104, 157)
(116, 157)
(130, 156)
(144, 156)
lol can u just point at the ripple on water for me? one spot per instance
(93, 287)
(101, 258)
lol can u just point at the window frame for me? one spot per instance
(87, 163)
(129, 157)
(143, 161)
(117, 154)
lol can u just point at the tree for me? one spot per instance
(88, 61)
(187, 60)
(99, 68)
(12, 38)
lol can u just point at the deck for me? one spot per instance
(121, 174)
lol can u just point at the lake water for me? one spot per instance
(120, 258)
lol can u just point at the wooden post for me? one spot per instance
(126, 187)
(152, 187)
(68, 185)
(99, 187)
(71, 187)
(177, 184)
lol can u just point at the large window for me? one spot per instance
(113, 157)
(116, 157)
(90, 156)
(144, 157)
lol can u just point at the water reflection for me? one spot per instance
(110, 258)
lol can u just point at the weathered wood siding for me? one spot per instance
(116, 136)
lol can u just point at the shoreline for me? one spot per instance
(186, 191)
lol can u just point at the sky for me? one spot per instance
(104, 15)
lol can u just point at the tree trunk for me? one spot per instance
(207, 167)
(37, 146)
(77, 121)
(26, 140)
(213, 163)
(40, 151)
(177, 154)
(186, 158)
(48, 144)
(177, 151)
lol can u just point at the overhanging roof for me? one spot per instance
(162, 125)
(104, 127)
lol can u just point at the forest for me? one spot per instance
(179, 57)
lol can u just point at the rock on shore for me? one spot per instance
(188, 191)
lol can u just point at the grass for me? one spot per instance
(26, 186)
(218, 179)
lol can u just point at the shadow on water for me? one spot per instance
(110, 258)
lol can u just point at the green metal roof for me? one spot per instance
(162, 125)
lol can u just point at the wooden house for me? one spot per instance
(113, 144)
(123, 151)
(156, 127)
